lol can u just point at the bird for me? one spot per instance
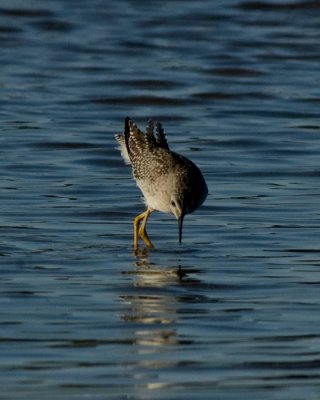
(169, 182)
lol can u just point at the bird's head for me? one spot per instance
(178, 207)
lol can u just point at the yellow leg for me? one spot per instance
(142, 230)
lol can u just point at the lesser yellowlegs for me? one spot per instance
(169, 182)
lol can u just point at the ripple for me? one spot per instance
(150, 84)
(143, 100)
(278, 6)
(231, 96)
(26, 12)
(9, 29)
(53, 25)
(64, 145)
(235, 72)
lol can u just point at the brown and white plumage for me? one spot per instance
(169, 182)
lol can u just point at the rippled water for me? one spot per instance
(234, 311)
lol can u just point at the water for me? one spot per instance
(234, 311)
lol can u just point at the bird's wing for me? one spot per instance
(161, 138)
(136, 141)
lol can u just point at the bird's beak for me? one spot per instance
(180, 222)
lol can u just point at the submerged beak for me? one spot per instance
(180, 222)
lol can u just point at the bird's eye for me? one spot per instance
(173, 203)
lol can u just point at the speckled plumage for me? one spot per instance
(169, 182)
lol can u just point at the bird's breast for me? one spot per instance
(157, 193)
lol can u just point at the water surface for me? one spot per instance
(234, 311)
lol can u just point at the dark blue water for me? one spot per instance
(232, 313)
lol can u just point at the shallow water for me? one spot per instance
(234, 311)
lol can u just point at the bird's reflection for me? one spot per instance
(148, 274)
(154, 300)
